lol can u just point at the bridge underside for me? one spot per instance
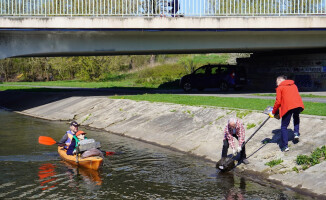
(39, 37)
(111, 42)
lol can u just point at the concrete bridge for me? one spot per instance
(48, 29)
(66, 36)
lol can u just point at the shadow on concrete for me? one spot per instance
(276, 139)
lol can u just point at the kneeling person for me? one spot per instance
(234, 129)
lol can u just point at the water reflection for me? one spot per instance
(46, 175)
(89, 176)
(232, 191)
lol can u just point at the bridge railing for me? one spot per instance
(163, 8)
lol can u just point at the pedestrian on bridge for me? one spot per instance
(175, 7)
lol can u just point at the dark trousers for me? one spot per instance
(226, 147)
(286, 121)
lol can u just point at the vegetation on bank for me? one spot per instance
(31, 89)
(274, 162)
(306, 161)
(151, 71)
(311, 108)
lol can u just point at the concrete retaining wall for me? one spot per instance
(196, 130)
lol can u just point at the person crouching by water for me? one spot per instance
(67, 138)
(234, 129)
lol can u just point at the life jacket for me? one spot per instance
(77, 141)
(70, 136)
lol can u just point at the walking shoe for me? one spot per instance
(245, 161)
(296, 136)
(285, 149)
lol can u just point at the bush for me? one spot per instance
(160, 74)
(315, 158)
(302, 159)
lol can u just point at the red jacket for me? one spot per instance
(287, 97)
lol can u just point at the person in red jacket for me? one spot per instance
(289, 103)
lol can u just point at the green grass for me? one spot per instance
(302, 95)
(30, 89)
(250, 125)
(242, 113)
(274, 162)
(77, 84)
(295, 169)
(211, 59)
(311, 108)
(164, 76)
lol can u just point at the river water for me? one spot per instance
(29, 170)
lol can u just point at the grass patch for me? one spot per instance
(311, 108)
(274, 162)
(160, 74)
(30, 89)
(295, 169)
(210, 59)
(251, 125)
(78, 84)
(316, 157)
(88, 116)
(220, 117)
(242, 113)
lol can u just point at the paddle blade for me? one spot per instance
(107, 153)
(46, 140)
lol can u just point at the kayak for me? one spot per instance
(93, 162)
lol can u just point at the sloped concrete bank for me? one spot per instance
(196, 130)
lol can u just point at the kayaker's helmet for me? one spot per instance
(80, 132)
(74, 123)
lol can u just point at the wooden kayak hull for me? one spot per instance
(90, 163)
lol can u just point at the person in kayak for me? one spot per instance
(234, 129)
(289, 103)
(77, 138)
(67, 138)
(80, 135)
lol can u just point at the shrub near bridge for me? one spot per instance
(160, 74)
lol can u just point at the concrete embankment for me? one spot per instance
(196, 130)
